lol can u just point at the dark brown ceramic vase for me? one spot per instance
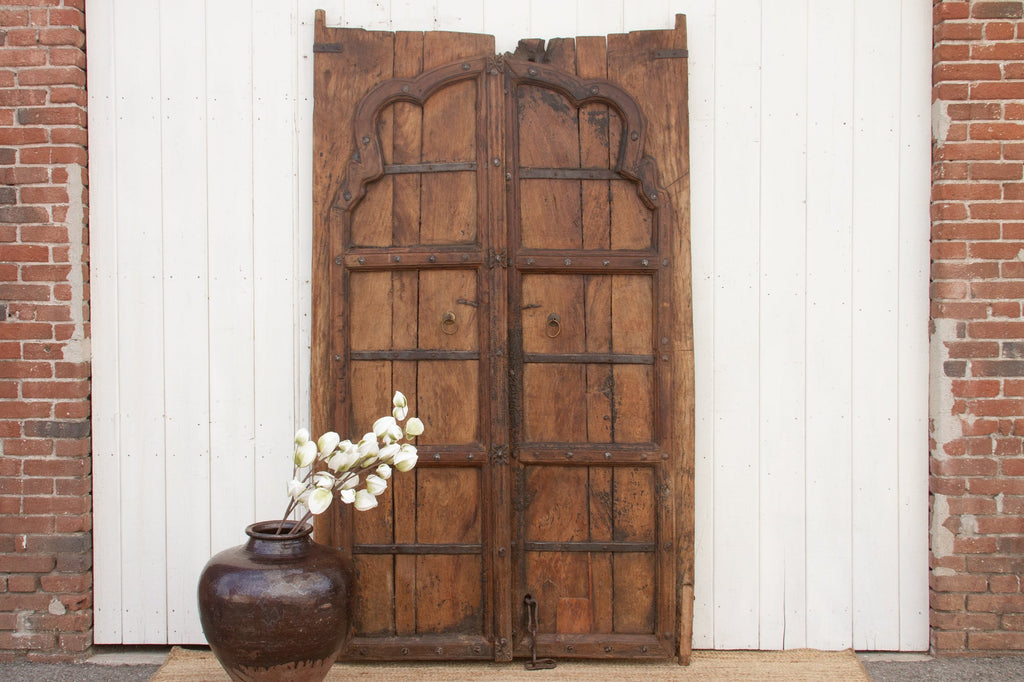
(277, 607)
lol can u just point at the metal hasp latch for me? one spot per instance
(531, 624)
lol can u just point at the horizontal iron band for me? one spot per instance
(589, 358)
(450, 167)
(451, 548)
(417, 354)
(568, 174)
(632, 547)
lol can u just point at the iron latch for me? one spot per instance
(530, 604)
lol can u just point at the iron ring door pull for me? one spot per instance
(554, 327)
(448, 324)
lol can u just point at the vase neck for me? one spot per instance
(266, 542)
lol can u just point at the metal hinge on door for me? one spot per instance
(497, 258)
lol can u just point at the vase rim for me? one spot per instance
(267, 530)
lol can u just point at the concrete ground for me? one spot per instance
(131, 664)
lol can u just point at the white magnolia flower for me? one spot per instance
(348, 464)
(295, 489)
(327, 443)
(365, 500)
(406, 458)
(401, 406)
(305, 454)
(324, 479)
(319, 500)
(414, 427)
(343, 460)
(388, 452)
(375, 484)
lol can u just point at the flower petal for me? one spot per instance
(365, 500)
(327, 443)
(305, 454)
(319, 500)
(375, 484)
(414, 427)
(301, 436)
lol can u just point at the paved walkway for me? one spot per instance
(139, 665)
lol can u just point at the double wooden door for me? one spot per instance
(505, 240)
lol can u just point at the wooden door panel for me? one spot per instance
(449, 420)
(500, 247)
(447, 318)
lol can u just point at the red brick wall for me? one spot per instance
(45, 485)
(978, 332)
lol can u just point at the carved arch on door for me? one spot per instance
(367, 162)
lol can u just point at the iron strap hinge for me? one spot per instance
(497, 258)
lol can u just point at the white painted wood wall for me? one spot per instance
(810, 183)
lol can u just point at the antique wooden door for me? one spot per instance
(505, 239)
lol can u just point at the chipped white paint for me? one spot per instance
(77, 347)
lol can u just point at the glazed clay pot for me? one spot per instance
(276, 607)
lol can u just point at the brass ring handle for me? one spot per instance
(448, 324)
(554, 327)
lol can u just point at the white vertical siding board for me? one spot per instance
(700, 25)
(230, 220)
(140, 327)
(736, 333)
(599, 17)
(914, 262)
(303, 188)
(782, 289)
(507, 21)
(460, 15)
(828, 342)
(413, 15)
(373, 16)
(649, 14)
(552, 19)
(274, 91)
(875, 298)
(185, 311)
(106, 471)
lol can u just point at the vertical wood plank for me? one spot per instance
(782, 462)
(186, 314)
(736, 332)
(140, 326)
(274, 255)
(106, 460)
(829, 281)
(230, 215)
(701, 36)
(875, 361)
(912, 338)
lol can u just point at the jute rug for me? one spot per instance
(187, 665)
